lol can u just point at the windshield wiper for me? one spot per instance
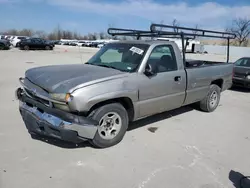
(102, 65)
(107, 66)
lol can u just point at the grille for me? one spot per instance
(43, 101)
(238, 75)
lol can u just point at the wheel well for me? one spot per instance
(124, 101)
(218, 82)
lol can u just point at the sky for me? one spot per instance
(86, 16)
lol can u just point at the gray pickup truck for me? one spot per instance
(123, 82)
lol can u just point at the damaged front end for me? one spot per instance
(41, 115)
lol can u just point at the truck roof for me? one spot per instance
(149, 42)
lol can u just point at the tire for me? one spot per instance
(103, 114)
(212, 100)
(47, 48)
(26, 47)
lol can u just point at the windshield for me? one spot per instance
(244, 62)
(120, 56)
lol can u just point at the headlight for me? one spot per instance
(248, 77)
(65, 97)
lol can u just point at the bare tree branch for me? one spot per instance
(241, 28)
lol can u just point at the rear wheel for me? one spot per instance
(211, 101)
(26, 47)
(113, 124)
(47, 48)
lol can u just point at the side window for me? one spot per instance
(37, 41)
(164, 58)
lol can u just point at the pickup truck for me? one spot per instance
(123, 82)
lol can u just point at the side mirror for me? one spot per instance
(150, 70)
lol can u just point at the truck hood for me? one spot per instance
(62, 78)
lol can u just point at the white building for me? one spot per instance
(190, 45)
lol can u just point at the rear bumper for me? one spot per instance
(241, 82)
(55, 123)
(6, 47)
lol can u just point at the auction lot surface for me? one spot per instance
(184, 148)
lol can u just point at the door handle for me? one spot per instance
(177, 78)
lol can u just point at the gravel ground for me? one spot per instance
(182, 148)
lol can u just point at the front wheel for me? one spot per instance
(211, 101)
(113, 124)
(47, 48)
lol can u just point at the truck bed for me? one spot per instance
(201, 73)
(201, 63)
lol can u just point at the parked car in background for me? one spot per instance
(100, 45)
(18, 43)
(36, 44)
(6, 37)
(17, 39)
(57, 42)
(51, 42)
(87, 44)
(73, 44)
(4, 44)
(241, 76)
(94, 44)
(80, 43)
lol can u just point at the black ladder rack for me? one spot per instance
(184, 33)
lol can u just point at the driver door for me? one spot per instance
(35, 44)
(165, 90)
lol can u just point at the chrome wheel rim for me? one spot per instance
(213, 99)
(110, 125)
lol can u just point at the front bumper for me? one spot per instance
(241, 82)
(53, 122)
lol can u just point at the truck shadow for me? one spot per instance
(60, 143)
(160, 117)
(239, 180)
(132, 126)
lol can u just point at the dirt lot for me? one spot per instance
(186, 149)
